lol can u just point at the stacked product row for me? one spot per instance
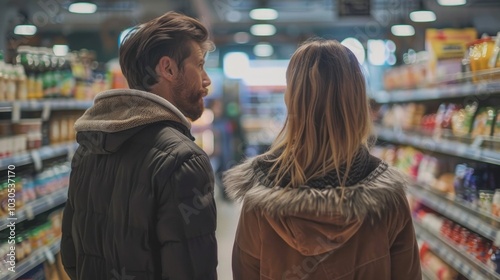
(473, 184)
(30, 134)
(38, 73)
(29, 186)
(450, 119)
(450, 56)
(42, 231)
(469, 242)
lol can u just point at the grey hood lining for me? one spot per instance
(121, 109)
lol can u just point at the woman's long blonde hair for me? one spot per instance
(328, 117)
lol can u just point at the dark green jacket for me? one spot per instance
(140, 202)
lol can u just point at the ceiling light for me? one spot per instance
(452, 2)
(356, 47)
(235, 65)
(241, 37)
(403, 30)
(263, 29)
(422, 16)
(376, 52)
(25, 29)
(60, 50)
(263, 50)
(82, 8)
(263, 14)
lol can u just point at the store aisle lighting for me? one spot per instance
(263, 14)
(82, 8)
(263, 50)
(356, 47)
(422, 16)
(60, 50)
(263, 29)
(241, 37)
(25, 29)
(403, 30)
(235, 65)
(452, 2)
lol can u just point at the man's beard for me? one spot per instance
(187, 101)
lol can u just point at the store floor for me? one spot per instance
(227, 219)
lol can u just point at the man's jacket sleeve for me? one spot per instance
(186, 222)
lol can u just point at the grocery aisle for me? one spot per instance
(227, 220)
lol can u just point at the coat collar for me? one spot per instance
(124, 109)
(370, 197)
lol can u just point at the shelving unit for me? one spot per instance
(426, 274)
(42, 109)
(443, 92)
(40, 205)
(51, 104)
(45, 253)
(477, 149)
(453, 148)
(35, 156)
(479, 222)
(459, 259)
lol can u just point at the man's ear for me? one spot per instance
(167, 68)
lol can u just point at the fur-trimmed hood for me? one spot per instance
(119, 114)
(302, 214)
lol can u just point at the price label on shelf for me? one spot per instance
(49, 255)
(461, 149)
(37, 160)
(50, 200)
(497, 239)
(46, 111)
(28, 209)
(478, 141)
(473, 224)
(16, 112)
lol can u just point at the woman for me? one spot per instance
(317, 205)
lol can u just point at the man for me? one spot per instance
(140, 202)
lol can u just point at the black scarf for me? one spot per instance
(363, 164)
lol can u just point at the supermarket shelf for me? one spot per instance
(52, 104)
(37, 257)
(34, 156)
(454, 148)
(492, 220)
(427, 275)
(446, 91)
(474, 220)
(36, 207)
(460, 260)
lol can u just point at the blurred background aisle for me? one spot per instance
(227, 220)
(432, 71)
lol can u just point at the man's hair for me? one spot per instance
(167, 35)
(328, 117)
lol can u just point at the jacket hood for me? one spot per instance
(119, 114)
(314, 220)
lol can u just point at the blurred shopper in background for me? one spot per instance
(317, 205)
(141, 191)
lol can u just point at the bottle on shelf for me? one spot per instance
(495, 260)
(21, 83)
(10, 77)
(2, 79)
(38, 69)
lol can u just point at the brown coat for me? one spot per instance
(304, 233)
